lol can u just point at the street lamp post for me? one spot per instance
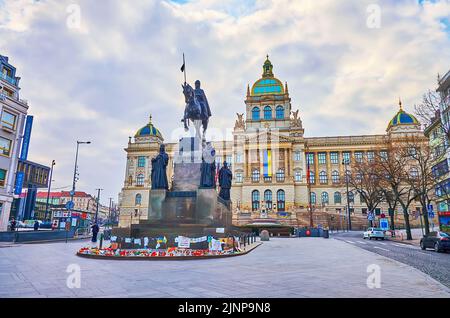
(109, 213)
(345, 162)
(49, 187)
(98, 203)
(72, 193)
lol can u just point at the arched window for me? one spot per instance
(267, 112)
(281, 200)
(337, 198)
(323, 177)
(279, 112)
(313, 198)
(280, 175)
(335, 176)
(140, 180)
(268, 199)
(255, 200)
(138, 199)
(255, 175)
(255, 113)
(325, 198)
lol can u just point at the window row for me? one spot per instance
(323, 177)
(346, 157)
(268, 203)
(267, 110)
(256, 175)
(324, 198)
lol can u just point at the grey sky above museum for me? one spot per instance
(101, 81)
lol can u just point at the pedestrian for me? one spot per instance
(36, 225)
(13, 225)
(95, 230)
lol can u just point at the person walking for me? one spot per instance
(95, 230)
(13, 225)
(36, 225)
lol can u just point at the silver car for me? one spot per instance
(374, 232)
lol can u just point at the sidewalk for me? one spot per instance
(416, 235)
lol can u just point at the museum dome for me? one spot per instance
(268, 84)
(402, 118)
(149, 131)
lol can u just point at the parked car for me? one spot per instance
(374, 232)
(439, 241)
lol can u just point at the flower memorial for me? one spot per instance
(184, 248)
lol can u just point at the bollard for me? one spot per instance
(101, 241)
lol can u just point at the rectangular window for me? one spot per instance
(322, 158)
(310, 159)
(5, 146)
(297, 156)
(8, 120)
(238, 157)
(2, 177)
(383, 154)
(229, 159)
(377, 211)
(239, 177)
(312, 177)
(141, 161)
(346, 157)
(358, 156)
(334, 157)
(370, 156)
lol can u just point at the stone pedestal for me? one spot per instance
(187, 165)
(156, 199)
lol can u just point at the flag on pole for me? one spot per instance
(183, 66)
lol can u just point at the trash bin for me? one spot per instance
(326, 234)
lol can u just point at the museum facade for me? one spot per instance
(277, 172)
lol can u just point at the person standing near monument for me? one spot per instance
(208, 168)
(159, 166)
(225, 177)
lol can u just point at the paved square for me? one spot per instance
(282, 267)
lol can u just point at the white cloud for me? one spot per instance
(102, 81)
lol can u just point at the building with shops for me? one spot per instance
(12, 119)
(270, 159)
(437, 132)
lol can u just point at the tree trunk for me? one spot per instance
(425, 220)
(392, 220)
(407, 225)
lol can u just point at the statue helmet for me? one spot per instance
(197, 83)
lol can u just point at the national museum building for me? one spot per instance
(269, 158)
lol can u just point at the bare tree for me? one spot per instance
(392, 168)
(428, 112)
(420, 176)
(363, 178)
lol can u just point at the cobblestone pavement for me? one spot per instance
(437, 265)
(282, 267)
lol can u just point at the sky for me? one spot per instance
(96, 70)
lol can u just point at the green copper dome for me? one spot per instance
(268, 84)
(149, 130)
(403, 118)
